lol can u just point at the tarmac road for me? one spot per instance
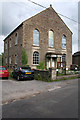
(55, 103)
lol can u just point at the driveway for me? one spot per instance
(14, 90)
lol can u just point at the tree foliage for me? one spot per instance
(24, 57)
(2, 59)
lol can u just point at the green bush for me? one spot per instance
(41, 66)
(10, 73)
(39, 77)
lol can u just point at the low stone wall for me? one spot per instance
(51, 73)
(68, 76)
(43, 73)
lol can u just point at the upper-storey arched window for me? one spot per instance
(51, 38)
(36, 37)
(63, 41)
(16, 38)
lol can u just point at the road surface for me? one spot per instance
(55, 103)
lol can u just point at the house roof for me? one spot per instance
(45, 11)
(36, 15)
(77, 53)
(14, 30)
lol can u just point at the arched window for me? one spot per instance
(16, 39)
(51, 38)
(36, 37)
(10, 42)
(64, 58)
(35, 58)
(63, 41)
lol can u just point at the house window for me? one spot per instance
(36, 37)
(63, 41)
(16, 39)
(51, 38)
(35, 58)
(9, 60)
(64, 58)
(15, 59)
(10, 43)
(6, 45)
(6, 60)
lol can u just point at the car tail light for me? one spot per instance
(20, 69)
(6, 71)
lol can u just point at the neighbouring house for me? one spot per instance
(44, 36)
(76, 58)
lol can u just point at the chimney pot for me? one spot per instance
(50, 5)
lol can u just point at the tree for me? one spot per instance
(24, 57)
(2, 59)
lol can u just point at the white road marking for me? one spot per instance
(51, 89)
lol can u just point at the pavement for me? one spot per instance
(15, 90)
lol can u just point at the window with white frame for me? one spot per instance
(16, 39)
(9, 60)
(10, 43)
(63, 41)
(36, 37)
(64, 58)
(35, 58)
(51, 38)
(6, 45)
(15, 59)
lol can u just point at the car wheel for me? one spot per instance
(18, 78)
(32, 78)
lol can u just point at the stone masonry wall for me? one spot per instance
(45, 21)
(14, 49)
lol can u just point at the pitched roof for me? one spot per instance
(36, 15)
(77, 53)
(45, 11)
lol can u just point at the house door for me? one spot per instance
(53, 63)
(49, 63)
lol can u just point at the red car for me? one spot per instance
(4, 72)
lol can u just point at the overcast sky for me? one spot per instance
(15, 12)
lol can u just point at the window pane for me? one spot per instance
(16, 39)
(51, 39)
(63, 58)
(35, 37)
(35, 58)
(64, 41)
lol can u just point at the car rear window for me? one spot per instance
(2, 68)
(26, 68)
